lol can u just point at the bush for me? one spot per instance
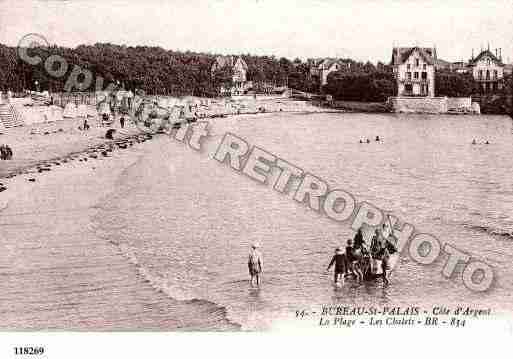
(452, 84)
(374, 86)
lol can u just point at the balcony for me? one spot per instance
(411, 81)
(482, 79)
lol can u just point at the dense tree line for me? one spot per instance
(453, 84)
(361, 82)
(152, 69)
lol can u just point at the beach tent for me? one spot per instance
(54, 113)
(82, 111)
(70, 111)
(104, 108)
(40, 98)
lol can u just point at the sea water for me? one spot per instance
(187, 221)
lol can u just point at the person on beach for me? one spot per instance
(378, 139)
(380, 255)
(255, 264)
(5, 152)
(358, 252)
(339, 260)
(86, 125)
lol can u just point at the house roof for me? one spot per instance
(401, 54)
(328, 62)
(486, 53)
(227, 61)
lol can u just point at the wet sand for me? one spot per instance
(58, 274)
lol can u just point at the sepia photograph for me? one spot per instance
(315, 168)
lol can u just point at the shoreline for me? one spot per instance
(83, 281)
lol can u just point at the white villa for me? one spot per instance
(240, 70)
(488, 71)
(414, 69)
(321, 68)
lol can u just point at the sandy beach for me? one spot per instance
(64, 274)
(66, 277)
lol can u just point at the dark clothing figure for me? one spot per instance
(349, 254)
(122, 122)
(5, 153)
(86, 125)
(339, 260)
(358, 239)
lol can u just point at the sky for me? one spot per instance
(363, 30)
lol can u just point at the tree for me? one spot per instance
(453, 84)
(375, 86)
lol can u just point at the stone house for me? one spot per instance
(239, 69)
(488, 71)
(414, 70)
(321, 68)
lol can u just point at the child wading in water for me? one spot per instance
(255, 264)
(339, 259)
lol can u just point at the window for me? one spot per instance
(416, 75)
(480, 74)
(424, 76)
(408, 75)
(488, 74)
(408, 88)
(495, 74)
(408, 66)
(424, 66)
(416, 62)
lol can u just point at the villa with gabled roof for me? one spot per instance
(488, 71)
(414, 69)
(321, 68)
(239, 68)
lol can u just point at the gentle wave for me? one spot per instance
(494, 232)
(159, 283)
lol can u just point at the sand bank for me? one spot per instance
(57, 272)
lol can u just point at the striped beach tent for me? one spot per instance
(70, 111)
(82, 111)
(10, 116)
(40, 98)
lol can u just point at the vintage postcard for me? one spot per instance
(324, 167)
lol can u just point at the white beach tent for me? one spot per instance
(82, 111)
(104, 107)
(70, 111)
(54, 113)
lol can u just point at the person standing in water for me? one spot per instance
(255, 264)
(339, 260)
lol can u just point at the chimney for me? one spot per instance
(500, 53)
(496, 54)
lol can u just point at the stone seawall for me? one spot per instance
(434, 105)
